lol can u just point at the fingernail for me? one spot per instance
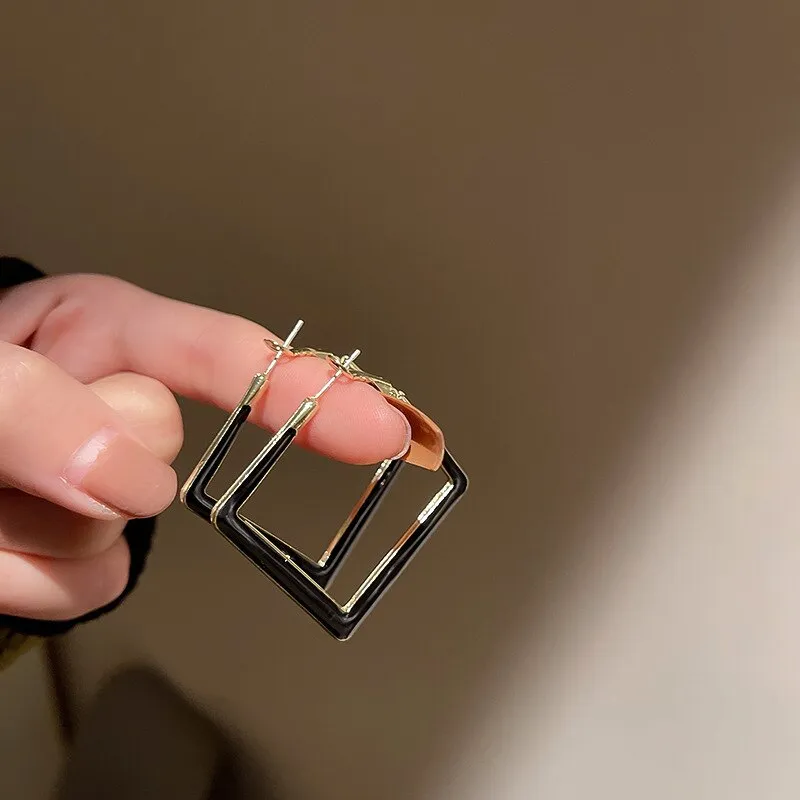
(121, 475)
(408, 434)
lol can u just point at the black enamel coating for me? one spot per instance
(325, 573)
(290, 575)
(199, 501)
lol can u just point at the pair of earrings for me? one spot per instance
(304, 579)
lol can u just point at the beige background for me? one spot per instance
(576, 215)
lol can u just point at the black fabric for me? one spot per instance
(138, 532)
(14, 271)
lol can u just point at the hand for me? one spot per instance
(89, 425)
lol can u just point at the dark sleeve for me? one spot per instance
(138, 532)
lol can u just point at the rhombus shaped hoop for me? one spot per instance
(304, 579)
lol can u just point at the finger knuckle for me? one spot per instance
(91, 282)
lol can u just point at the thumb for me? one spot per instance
(60, 441)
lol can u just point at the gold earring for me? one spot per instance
(304, 579)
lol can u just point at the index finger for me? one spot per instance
(95, 326)
(211, 356)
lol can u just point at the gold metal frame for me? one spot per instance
(303, 579)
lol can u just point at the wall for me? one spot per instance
(30, 748)
(568, 210)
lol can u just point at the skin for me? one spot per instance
(89, 425)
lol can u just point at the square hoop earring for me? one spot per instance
(195, 495)
(303, 579)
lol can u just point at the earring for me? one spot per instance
(302, 578)
(195, 496)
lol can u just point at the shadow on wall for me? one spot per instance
(530, 213)
(141, 737)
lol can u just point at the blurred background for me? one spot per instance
(584, 212)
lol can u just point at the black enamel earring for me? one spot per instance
(304, 579)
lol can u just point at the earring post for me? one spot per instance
(281, 348)
(336, 375)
